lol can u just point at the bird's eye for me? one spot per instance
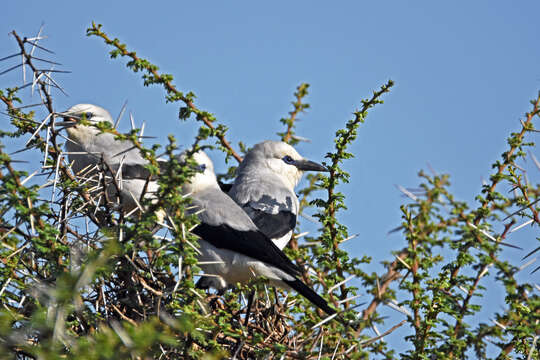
(288, 159)
(88, 115)
(202, 167)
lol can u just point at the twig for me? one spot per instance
(389, 331)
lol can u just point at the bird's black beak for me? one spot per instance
(69, 120)
(308, 165)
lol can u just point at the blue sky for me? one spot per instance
(464, 74)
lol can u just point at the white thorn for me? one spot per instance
(324, 321)
(401, 309)
(340, 283)
(37, 130)
(498, 324)
(521, 226)
(407, 192)
(349, 238)
(28, 177)
(527, 264)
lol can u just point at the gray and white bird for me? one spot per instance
(264, 187)
(233, 245)
(87, 147)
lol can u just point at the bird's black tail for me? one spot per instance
(311, 295)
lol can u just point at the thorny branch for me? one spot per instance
(335, 174)
(130, 281)
(288, 136)
(54, 150)
(138, 290)
(174, 94)
(480, 213)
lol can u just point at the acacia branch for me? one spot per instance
(174, 94)
(54, 151)
(391, 275)
(342, 141)
(300, 93)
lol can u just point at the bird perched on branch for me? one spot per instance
(231, 246)
(89, 148)
(264, 187)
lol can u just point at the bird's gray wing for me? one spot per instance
(113, 150)
(226, 226)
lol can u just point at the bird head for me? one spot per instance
(91, 113)
(204, 176)
(283, 160)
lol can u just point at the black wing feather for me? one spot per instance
(273, 225)
(249, 243)
(311, 295)
(225, 187)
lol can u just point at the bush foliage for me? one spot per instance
(80, 279)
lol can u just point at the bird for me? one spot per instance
(88, 147)
(264, 187)
(231, 246)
